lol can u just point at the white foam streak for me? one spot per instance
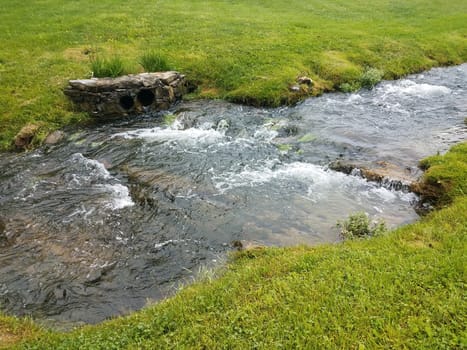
(408, 87)
(119, 196)
(193, 136)
(95, 168)
(91, 171)
(313, 174)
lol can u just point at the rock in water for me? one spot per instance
(54, 137)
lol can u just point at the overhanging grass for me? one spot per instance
(403, 290)
(444, 177)
(246, 51)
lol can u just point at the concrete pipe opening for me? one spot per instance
(146, 97)
(127, 102)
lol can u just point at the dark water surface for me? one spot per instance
(119, 214)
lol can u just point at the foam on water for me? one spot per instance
(191, 136)
(265, 135)
(92, 168)
(119, 196)
(311, 173)
(408, 87)
(319, 180)
(92, 174)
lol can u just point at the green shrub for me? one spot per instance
(349, 87)
(112, 67)
(153, 61)
(371, 77)
(358, 225)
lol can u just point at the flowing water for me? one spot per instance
(119, 214)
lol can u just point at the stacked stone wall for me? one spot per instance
(127, 95)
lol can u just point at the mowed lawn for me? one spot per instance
(245, 51)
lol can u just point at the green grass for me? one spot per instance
(444, 177)
(244, 51)
(13, 330)
(401, 290)
(107, 67)
(153, 61)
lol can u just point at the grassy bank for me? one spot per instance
(245, 51)
(402, 290)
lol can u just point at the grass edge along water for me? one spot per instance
(402, 289)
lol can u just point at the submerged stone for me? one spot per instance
(54, 137)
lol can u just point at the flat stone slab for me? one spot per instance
(127, 95)
(386, 174)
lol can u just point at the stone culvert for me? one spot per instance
(127, 95)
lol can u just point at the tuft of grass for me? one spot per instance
(371, 77)
(14, 330)
(350, 87)
(107, 67)
(153, 61)
(368, 79)
(359, 225)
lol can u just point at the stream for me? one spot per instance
(120, 214)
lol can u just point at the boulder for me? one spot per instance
(25, 136)
(54, 137)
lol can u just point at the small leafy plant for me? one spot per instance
(371, 77)
(358, 225)
(107, 67)
(153, 61)
(350, 87)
